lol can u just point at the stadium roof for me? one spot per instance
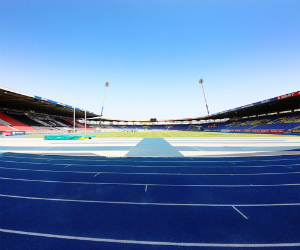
(13, 100)
(281, 103)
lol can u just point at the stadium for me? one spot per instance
(72, 179)
(149, 125)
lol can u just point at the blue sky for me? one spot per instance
(153, 53)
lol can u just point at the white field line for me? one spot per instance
(151, 184)
(219, 144)
(152, 173)
(144, 160)
(141, 166)
(217, 153)
(240, 212)
(150, 203)
(154, 243)
(110, 153)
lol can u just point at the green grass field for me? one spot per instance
(174, 134)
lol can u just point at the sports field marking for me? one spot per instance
(152, 184)
(94, 172)
(139, 242)
(111, 153)
(240, 212)
(152, 173)
(196, 159)
(216, 153)
(157, 166)
(150, 203)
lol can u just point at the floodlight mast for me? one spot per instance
(201, 82)
(106, 85)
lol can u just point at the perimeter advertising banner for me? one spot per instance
(17, 132)
(6, 132)
(263, 130)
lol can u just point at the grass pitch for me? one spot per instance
(177, 134)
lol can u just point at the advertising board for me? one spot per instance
(264, 130)
(6, 132)
(17, 132)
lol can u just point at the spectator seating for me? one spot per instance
(6, 128)
(16, 123)
(283, 121)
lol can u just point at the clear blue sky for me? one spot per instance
(152, 53)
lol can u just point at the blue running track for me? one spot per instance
(65, 202)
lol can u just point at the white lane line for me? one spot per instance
(152, 173)
(158, 166)
(240, 212)
(142, 242)
(146, 188)
(244, 144)
(152, 204)
(110, 153)
(118, 160)
(154, 184)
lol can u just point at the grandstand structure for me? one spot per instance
(22, 113)
(280, 114)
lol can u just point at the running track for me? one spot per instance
(65, 202)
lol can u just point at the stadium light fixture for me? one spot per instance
(106, 85)
(201, 82)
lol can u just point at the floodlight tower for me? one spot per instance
(106, 85)
(201, 82)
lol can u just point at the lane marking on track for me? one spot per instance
(150, 173)
(152, 184)
(196, 159)
(146, 188)
(157, 166)
(152, 204)
(240, 212)
(142, 242)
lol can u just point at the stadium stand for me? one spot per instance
(16, 123)
(283, 122)
(88, 127)
(62, 121)
(181, 127)
(6, 128)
